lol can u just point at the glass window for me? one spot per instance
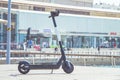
(0, 4)
(0, 15)
(38, 8)
(14, 6)
(74, 12)
(4, 5)
(13, 29)
(73, 41)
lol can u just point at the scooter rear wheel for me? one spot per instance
(23, 67)
(67, 67)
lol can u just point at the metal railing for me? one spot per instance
(75, 54)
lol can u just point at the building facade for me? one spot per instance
(81, 3)
(77, 31)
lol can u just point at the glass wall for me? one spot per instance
(76, 41)
(3, 30)
(0, 32)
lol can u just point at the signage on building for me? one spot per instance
(47, 31)
(113, 33)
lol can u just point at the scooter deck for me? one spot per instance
(45, 66)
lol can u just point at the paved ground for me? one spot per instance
(10, 72)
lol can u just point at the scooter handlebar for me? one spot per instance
(54, 13)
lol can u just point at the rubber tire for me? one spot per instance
(24, 67)
(67, 67)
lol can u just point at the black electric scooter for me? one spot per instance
(24, 67)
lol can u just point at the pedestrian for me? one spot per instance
(30, 43)
(99, 49)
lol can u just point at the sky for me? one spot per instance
(116, 2)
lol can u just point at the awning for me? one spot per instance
(41, 35)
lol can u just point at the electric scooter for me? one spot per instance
(24, 67)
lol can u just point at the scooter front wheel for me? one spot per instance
(67, 67)
(23, 67)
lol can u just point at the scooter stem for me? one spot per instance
(59, 38)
